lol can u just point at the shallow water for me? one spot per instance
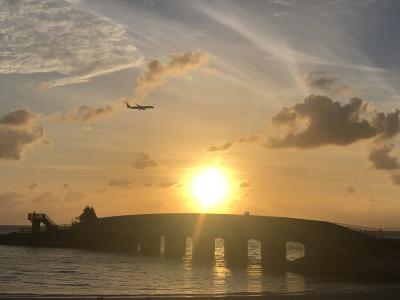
(46, 271)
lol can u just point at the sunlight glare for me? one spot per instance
(210, 187)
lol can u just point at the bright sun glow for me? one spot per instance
(210, 187)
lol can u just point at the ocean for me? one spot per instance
(72, 272)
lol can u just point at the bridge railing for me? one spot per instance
(373, 231)
(64, 227)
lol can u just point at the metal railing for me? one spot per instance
(374, 231)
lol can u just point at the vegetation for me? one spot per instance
(87, 214)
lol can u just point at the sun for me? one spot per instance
(210, 187)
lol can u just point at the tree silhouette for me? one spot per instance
(87, 214)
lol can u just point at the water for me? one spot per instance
(57, 271)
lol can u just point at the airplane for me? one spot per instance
(139, 107)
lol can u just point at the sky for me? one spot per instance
(296, 103)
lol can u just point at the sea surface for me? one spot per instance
(58, 271)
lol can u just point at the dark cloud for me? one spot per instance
(15, 142)
(10, 198)
(20, 118)
(18, 132)
(381, 159)
(33, 185)
(317, 81)
(157, 72)
(220, 148)
(148, 184)
(120, 182)
(167, 184)
(326, 122)
(89, 115)
(320, 121)
(143, 161)
(245, 184)
(387, 125)
(351, 190)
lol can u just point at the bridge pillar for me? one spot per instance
(175, 246)
(150, 245)
(36, 226)
(203, 247)
(235, 250)
(273, 255)
(127, 244)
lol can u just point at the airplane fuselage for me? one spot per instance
(139, 107)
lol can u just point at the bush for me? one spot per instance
(87, 214)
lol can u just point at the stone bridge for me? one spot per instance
(326, 244)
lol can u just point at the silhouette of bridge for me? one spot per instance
(328, 247)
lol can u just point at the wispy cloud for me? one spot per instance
(143, 161)
(123, 183)
(158, 72)
(58, 37)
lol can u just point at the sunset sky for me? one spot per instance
(295, 103)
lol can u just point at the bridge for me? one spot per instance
(328, 247)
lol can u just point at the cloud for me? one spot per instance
(381, 159)
(20, 118)
(18, 132)
(157, 72)
(320, 81)
(320, 121)
(87, 115)
(148, 184)
(245, 184)
(33, 185)
(386, 125)
(167, 184)
(249, 139)
(226, 146)
(45, 197)
(220, 148)
(316, 81)
(155, 75)
(58, 37)
(143, 161)
(351, 190)
(120, 183)
(324, 122)
(74, 196)
(8, 198)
